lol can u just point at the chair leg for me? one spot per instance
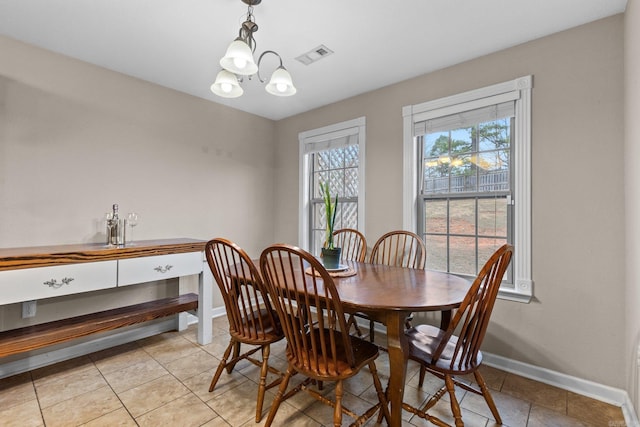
(236, 353)
(337, 411)
(455, 406)
(408, 320)
(487, 396)
(423, 371)
(381, 414)
(221, 366)
(263, 381)
(276, 402)
(372, 335)
(353, 322)
(382, 397)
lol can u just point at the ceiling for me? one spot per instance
(178, 43)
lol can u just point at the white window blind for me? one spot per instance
(465, 119)
(324, 142)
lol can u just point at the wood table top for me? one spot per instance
(42, 256)
(381, 287)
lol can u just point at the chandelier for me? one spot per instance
(238, 62)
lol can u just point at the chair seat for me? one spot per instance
(267, 334)
(423, 341)
(319, 368)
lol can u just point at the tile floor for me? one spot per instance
(163, 381)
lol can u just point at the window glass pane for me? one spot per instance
(462, 216)
(436, 144)
(321, 160)
(319, 216)
(436, 252)
(496, 180)
(486, 248)
(336, 183)
(337, 158)
(317, 179)
(351, 156)
(492, 217)
(463, 174)
(435, 216)
(461, 141)
(350, 183)
(462, 255)
(348, 213)
(495, 134)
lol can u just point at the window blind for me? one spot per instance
(339, 139)
(464, 119)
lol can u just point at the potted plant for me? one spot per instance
(330, 253)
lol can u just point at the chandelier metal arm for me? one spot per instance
(260, 59)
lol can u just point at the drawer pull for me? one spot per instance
(53, 283)
(161, 269)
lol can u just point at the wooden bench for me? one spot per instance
(34, 337)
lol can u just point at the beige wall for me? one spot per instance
(575, 325)
(75, 138)
(632, 192)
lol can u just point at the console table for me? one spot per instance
(34, 273)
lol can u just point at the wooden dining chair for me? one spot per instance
(252, 319)
(445, 355)
(312, 318)
(398, 248)
(353, 244)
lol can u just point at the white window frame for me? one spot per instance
(320, 136)
(519, 90)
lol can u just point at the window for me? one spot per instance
(467, 180)
(333, 154)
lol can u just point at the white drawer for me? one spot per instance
(47, 282)
(151, 268)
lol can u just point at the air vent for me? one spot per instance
(314, 54)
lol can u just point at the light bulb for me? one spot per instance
(281, 87)
(226, 87)
(240, 62)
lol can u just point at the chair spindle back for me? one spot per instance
(242, 289)
(310, 310)
(353, 244)
(399, 249)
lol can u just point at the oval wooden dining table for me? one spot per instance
(388, 295)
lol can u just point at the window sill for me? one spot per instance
(511, 294)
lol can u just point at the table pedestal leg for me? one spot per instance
(398, 351)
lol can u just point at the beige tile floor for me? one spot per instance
(163, 381)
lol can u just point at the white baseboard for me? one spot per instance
(611, 395)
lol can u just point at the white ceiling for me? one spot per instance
(178, 43)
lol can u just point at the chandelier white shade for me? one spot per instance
(280, 83)
(227, 85)
(239, 62)
(239, 59)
